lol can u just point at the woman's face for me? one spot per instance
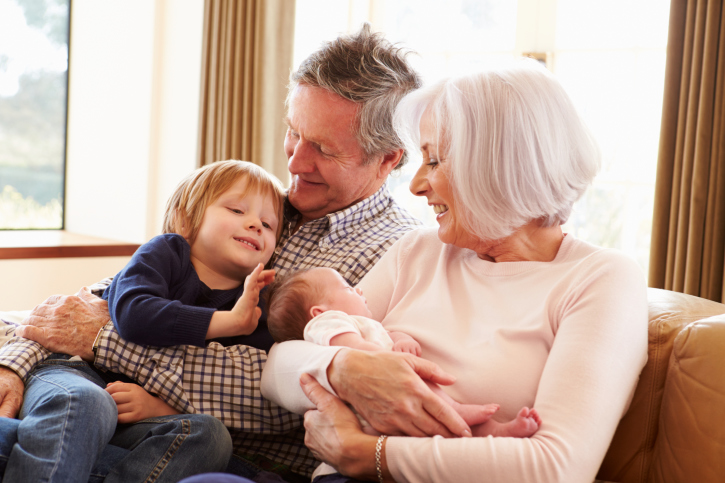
(433, 181)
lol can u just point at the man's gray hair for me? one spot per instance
(370, 71)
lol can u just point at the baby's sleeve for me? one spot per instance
(324, 327)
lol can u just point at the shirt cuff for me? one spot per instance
(101, 345)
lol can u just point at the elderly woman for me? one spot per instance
(499, 298)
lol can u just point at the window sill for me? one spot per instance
(59, 244)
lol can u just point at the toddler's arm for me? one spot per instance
(402, 342)
(135, 404)
(243, 318)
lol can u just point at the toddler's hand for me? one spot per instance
(408, 345)
(135, 404)
(245, 310)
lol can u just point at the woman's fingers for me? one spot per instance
(447, 422)
(319, 396)
(430, 371)
(389, 390)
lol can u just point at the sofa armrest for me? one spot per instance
(630, 454)
(690, 443)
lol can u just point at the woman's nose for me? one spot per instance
(419, 184)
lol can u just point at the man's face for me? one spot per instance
(325, 159)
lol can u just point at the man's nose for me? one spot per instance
(301, 160)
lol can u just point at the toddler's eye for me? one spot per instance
(266, 225)
(236, 211)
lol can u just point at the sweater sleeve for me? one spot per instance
(592, 369)
(144, 302)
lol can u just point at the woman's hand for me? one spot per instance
(388, 390)
(334, 435)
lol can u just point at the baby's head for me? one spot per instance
(297, 298)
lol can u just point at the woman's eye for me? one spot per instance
(432, 162)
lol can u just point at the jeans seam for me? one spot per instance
(65, 422)
(173, 448)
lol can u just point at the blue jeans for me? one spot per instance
(64, 423)
(335, 478)
(68, 419)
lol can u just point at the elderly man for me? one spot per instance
(341, 147)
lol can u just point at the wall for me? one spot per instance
(132, 133)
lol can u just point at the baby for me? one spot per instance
(319, 306)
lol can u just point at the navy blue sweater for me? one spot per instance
(158, 299)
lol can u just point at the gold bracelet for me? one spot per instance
(378, 458)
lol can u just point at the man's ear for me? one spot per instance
(316, 310)
(389, 162)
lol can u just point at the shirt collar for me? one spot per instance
(340, 222)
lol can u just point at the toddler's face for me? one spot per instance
(238, 231)
(339, 295)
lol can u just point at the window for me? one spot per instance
(610, 56)
(33, 98)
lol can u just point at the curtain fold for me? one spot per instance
(688, 235)
(246, 61)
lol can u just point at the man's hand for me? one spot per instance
(333, 433)
(389, 390)
(67, 324)
(11, 393)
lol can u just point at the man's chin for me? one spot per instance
(307, 195)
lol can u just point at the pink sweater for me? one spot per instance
(568, 337)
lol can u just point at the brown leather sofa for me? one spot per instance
(674, 430)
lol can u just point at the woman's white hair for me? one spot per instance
(516, 147)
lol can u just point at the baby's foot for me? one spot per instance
(525, 424)
(474, 414)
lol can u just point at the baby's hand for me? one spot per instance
(408, 345)
(135, 404)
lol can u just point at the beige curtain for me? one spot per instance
(247, 57)
(688, 235)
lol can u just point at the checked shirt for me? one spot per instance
(225, 381)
